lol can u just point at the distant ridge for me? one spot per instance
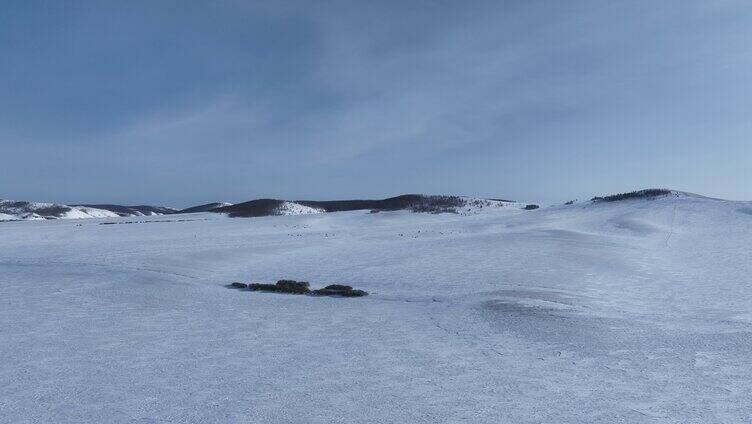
(414, 202)
(140, 210)
(11, 210)
(204, 208)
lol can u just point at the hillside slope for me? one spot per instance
(204, 208)
(13, 210)
(139, 210)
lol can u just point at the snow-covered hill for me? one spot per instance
(140, 210)
(475, 205)
(12, 210)
(636, 310)
(20, 210)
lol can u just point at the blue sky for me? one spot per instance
(181, 103)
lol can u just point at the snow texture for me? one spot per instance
(636, 311)
(292, 208)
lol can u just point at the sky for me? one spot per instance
(181, 103)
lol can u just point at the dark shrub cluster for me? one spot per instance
(292, 286)
(339, 290)
(282, 286)
(531, 207)
(639, 194)
(433, 209)
(437, 204)
(301, 287)
(340, 287)
(254, 208)
(263, 287)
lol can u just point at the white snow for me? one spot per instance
(7, 217)
(77, 212)
(292, 208)
(635, 311)
(475, 205)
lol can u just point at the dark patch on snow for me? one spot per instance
(502, 200)
(342, 293)
(639, 194)
(531, 207)
(292, 286)
(282, 286)
(302, 287)
(339, 290)
(338, 287)
(415, 202)
(263, 287)
(56, 211)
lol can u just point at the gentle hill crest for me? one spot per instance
(413, 202)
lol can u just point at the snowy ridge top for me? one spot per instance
(652, 193)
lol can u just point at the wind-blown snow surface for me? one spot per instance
(637, 311)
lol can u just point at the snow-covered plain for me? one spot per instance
(636, 311)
